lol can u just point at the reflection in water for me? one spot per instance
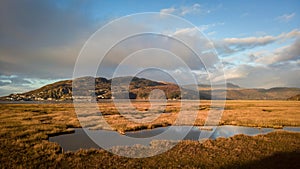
(229, 131)
(221, 131)
(80, 140)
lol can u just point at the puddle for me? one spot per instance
(80, 140)
(74, 141)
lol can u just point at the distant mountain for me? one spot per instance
(218, 86)
(261, 94)
(100, 88)
(140, 88)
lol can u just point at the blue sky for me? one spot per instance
(258, 41)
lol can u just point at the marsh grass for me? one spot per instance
(25, 129)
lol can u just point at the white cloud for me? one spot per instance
(286, 17)
(236, 72)
(190, 9)
(183, 10)
(270, 67)
(232, 45)
(209, 26)
(168, 10)
(267, 77)
(185, 32)
(282, 54)
(259, 70)
(250, 40)
(256, 41)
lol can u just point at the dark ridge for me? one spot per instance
(90, 88)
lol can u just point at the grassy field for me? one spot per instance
(25, 128)
(274, 114)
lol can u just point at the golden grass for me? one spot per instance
(274, 114)
(244, 113)
(25, 128)
(262, 113)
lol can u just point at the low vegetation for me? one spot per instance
(25, 129)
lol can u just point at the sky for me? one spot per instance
(257, 42)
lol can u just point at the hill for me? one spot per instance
(296, 97)
(140, 88)
(218, 86)
(281, 93)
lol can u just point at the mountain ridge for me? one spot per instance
(140, 88)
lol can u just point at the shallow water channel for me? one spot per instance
(80, 139)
